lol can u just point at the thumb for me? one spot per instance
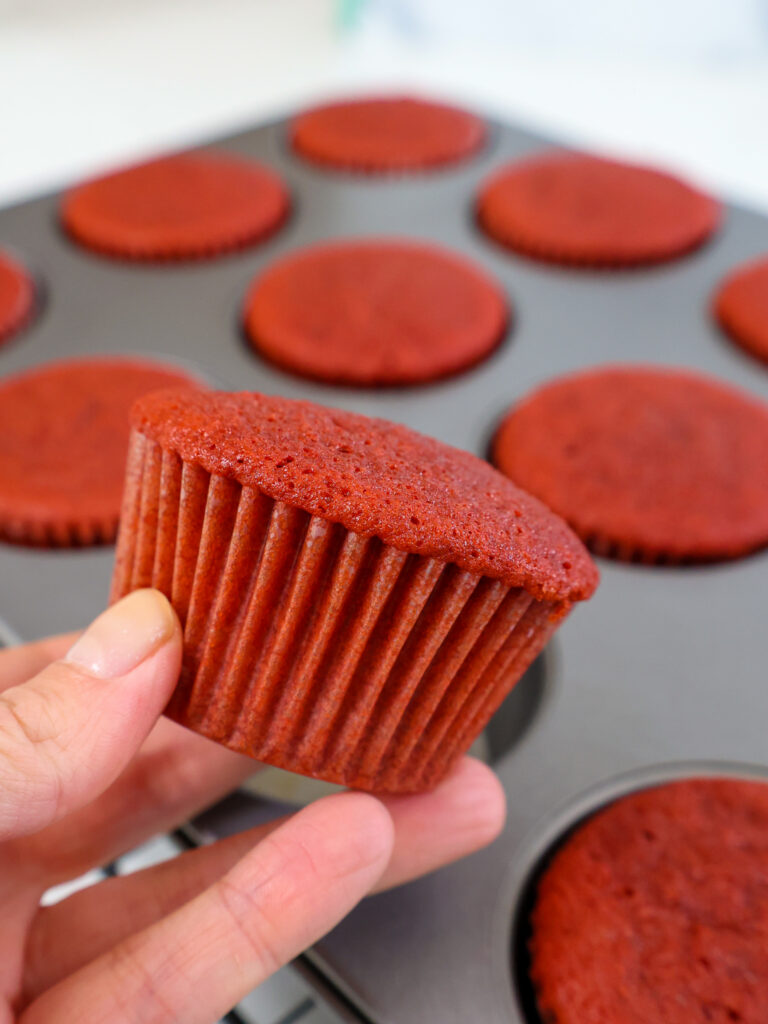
(67, 733)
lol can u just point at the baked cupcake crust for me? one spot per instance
(741, 307)
(386, 134)
(187, 206)
(375, 312)
(657, 909)
(646, 464)
(377, 479)
(63, 442)
(17, 297)
(571, 208)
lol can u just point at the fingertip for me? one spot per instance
(470, 802)
(478, 798)
(465, 812)
(363, 824)
(375, 820)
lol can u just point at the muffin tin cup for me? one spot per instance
(31, 302)
(663, 663)
(314, 648)
(536, 852)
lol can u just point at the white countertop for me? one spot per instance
(85, 86)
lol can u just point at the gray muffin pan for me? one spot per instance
(662, 665)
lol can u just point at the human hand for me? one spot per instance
(87, 772)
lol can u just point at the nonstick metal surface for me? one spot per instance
(662, 665)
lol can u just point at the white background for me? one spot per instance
(85, 84)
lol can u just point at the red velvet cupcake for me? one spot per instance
(185, 207)
(570, 208)
(656, 910)
(386, 134)
(647, 464)
(356, 599)
(17, 297)
(372, 313)
(741, 307)
(63, 443)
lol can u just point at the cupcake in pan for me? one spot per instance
(63, 442)
(386, 134)
(741, 307)
(186, 206)
(375, 312)
(656, 909)
(647, 463)
(17, 297)
(586, 211)
(356, 599)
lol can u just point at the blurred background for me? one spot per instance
(89, 83)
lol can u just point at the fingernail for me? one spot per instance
(124, 635)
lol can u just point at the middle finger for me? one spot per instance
(462, 814)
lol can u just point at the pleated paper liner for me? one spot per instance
(584, 211)
(54, 533)
(313, 648)
(183, 207)
(386, 135)
(17, 297)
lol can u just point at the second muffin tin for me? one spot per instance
(662, 665)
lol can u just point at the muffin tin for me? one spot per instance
(662, 665)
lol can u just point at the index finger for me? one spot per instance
(198, 962)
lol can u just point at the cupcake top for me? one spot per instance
(389, 133)
(63, 442)
(656, 909)
(17, 296)
(183, 207)
(571, 208)
(377, 479)
(646, 463)
(374, 312)
(741, 306)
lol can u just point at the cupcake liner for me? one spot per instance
(61, 475)
(650, 905)
(17, 297)
(317, 313)
(676, 217)
(311, 647)
(195, 251)
(603, 448)
(100, 215)
(56, 533)
(526, 244)
(420, 135)
(739, 306)
(640, 554)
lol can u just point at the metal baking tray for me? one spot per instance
(662, 665)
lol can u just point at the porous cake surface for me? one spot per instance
(375, 312)
(63, 442)
(646, 463)
(386, 133)
(377, 479)
(579, 209)
(656, 909)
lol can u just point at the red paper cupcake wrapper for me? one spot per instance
(190, 252)
(313, 648)
(109, 227)
(58, 533)
(645, 255)
(19, 314)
